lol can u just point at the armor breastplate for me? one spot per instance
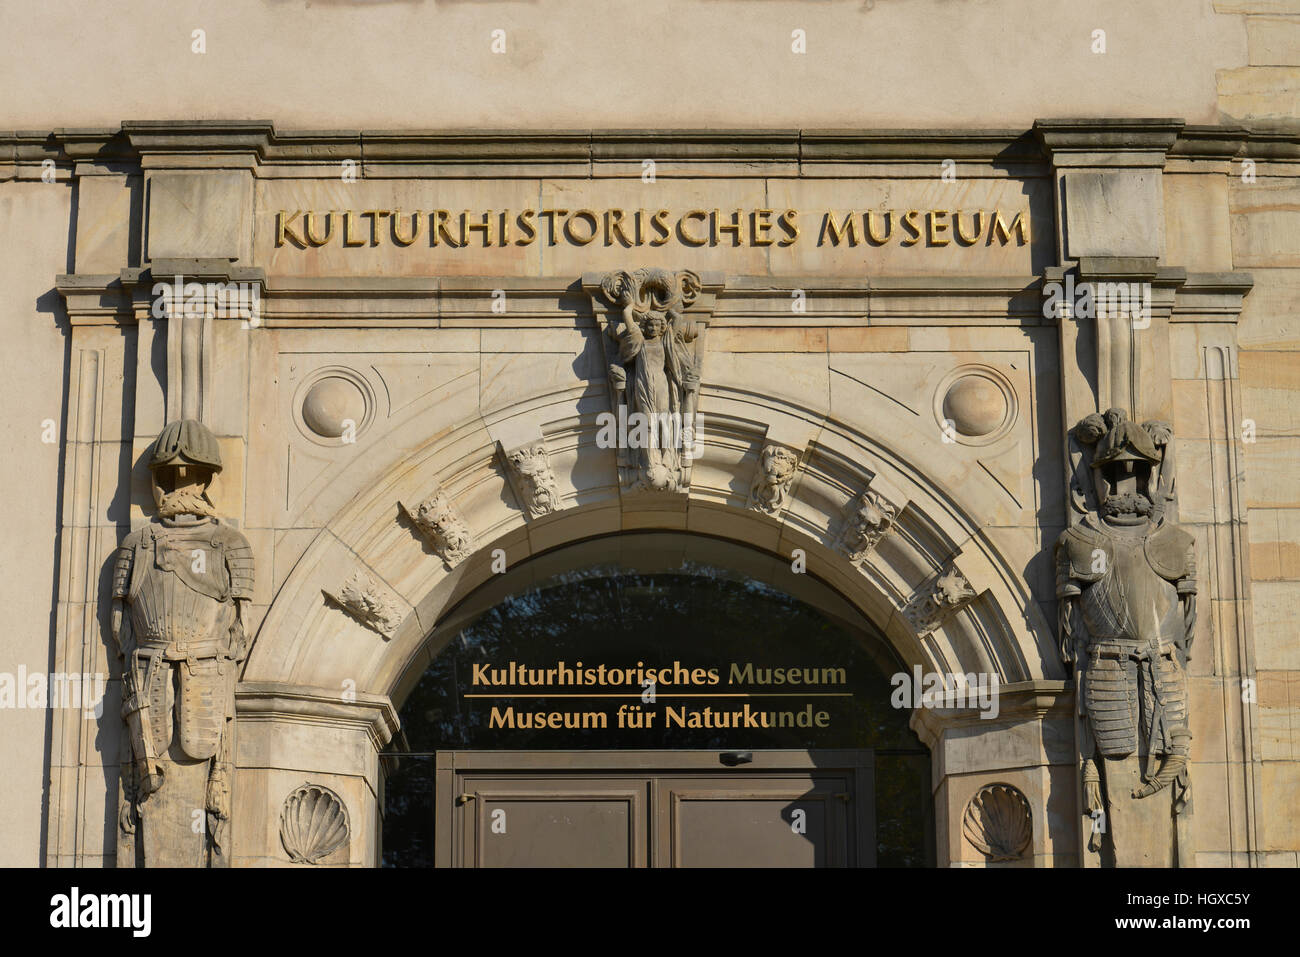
(1131, 603)
(180, 591)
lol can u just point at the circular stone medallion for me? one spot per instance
(330, 404)
(333, 405)
(977, 402)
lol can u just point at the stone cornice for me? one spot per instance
(207, 270)
(839, 146)
(1210, 142)
(367, 301)
(1108, 142)
(374, 714)
(1190, 297)
(1019, 702)
(259, 146)
(466, 301)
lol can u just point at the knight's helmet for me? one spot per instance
(186, 452)
(1125, 458)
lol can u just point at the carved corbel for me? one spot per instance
(867, 519)
(941, 597)
(442, 526)
(529, 468)
(369, 602)
(770, 491)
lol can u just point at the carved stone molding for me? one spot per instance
(998, 822)
(533, 479)
(369, 602)
(443, 526)
(488, 150)
(867, 519)
(770, 490)
(351, 709)
(928, 608)
(314, 824)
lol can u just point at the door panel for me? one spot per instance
(760, 821)
(555, 823)
(660, 809)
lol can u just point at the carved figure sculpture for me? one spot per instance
(1126, 580)
(654, 374)
(180, 585)
(771, 486)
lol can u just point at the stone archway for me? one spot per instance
(352, 615)
(307, 639)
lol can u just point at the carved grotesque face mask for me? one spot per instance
(433, 516)
(182, 490)
(868, 514)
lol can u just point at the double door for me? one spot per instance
(654, 809)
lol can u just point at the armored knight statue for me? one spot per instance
(180, 586)
(1126, 580)
(655, 374)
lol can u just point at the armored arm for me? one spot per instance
(1067, 593)
(1187, 597)
(120, 621)
(135, 708)
(239, 564)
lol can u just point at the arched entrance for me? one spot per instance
(655, 698)
(347, 632)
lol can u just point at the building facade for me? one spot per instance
(832, 494)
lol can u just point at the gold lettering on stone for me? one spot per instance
(398, 238)
(835, 232)
(1000, 229)
(283, 227)
(687, 237)
(977, 217)
(694, 228)
(310, 230)
(871, 232)
(349, 229)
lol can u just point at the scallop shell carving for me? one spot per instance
(313, 824)
(998, 822)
